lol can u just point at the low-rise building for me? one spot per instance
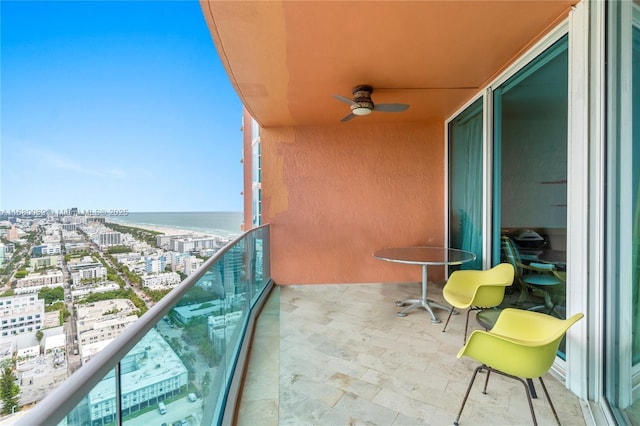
(46, 249)
(152, 372)
(101, 287)
(161, 281)
(100, 322)
(45, 262)
(88, 274)
(221, 329)
(186, 313)
(35, 282)
(20, 314)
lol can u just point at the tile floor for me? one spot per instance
(339, 355)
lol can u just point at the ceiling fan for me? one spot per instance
(363, 105)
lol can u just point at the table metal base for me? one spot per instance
(427, 304)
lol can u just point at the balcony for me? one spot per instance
(320, 354)
(346, 358)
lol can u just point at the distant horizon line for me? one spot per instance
(188, 211)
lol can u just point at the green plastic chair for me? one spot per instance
(476, 290)
(522, 345)
(536, 278)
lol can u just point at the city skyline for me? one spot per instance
(116, 105)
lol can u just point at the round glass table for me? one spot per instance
(424, 256)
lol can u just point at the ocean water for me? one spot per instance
(224, 224)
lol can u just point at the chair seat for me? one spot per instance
(473, 290)
(541, 279)
(521, 345)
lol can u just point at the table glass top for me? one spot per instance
(425, 255)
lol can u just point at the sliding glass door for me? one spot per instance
(465, 183)
(530, 180)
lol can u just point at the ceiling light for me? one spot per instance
(361, 111)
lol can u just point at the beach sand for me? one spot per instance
(165, 230)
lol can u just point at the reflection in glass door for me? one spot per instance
(530, 180)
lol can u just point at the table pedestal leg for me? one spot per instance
(423, 302)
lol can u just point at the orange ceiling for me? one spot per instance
(287, 58)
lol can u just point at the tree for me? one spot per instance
(205, 383)
(9, 391)
(51, 295)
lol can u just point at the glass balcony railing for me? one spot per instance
(181, 362)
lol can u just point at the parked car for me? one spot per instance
(192, 397)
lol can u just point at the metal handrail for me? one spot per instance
(56, 405)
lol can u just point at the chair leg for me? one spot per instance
(448, 318)
(486, 382)
(544, 388)
(466, 326)
(466, 395)
(526, 388)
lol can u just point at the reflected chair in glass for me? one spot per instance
(536, 279)
(475, 290)
(522, 345)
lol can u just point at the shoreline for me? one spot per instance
(166, 230)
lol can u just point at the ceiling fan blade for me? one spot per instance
(343, 99)
(348, 117)
(390, 107)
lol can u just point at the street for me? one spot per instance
(177, 411)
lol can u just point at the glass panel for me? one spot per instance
(622, 379)
(90, 407)
(465, 183)
(530, 158)
(180, 371)
(635, 265)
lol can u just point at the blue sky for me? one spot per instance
(115, 105)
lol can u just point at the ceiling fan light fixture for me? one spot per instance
(361, 111)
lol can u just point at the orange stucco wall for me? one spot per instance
(335, 194)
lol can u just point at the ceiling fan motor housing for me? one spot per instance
(362, 98)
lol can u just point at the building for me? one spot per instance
(45, 262)
(12, 233)
(187, 313)
(164, 241)
(99, 323)
(162, 281)
(106, 239)
(154, 264)
(46, 249)
(192, 264)
(80, 291)
(69, 226)
(188, 245)
(35, 282)
(2, 254)
(86, 271)
(151, 372)
(21, 314)
(221, 329)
